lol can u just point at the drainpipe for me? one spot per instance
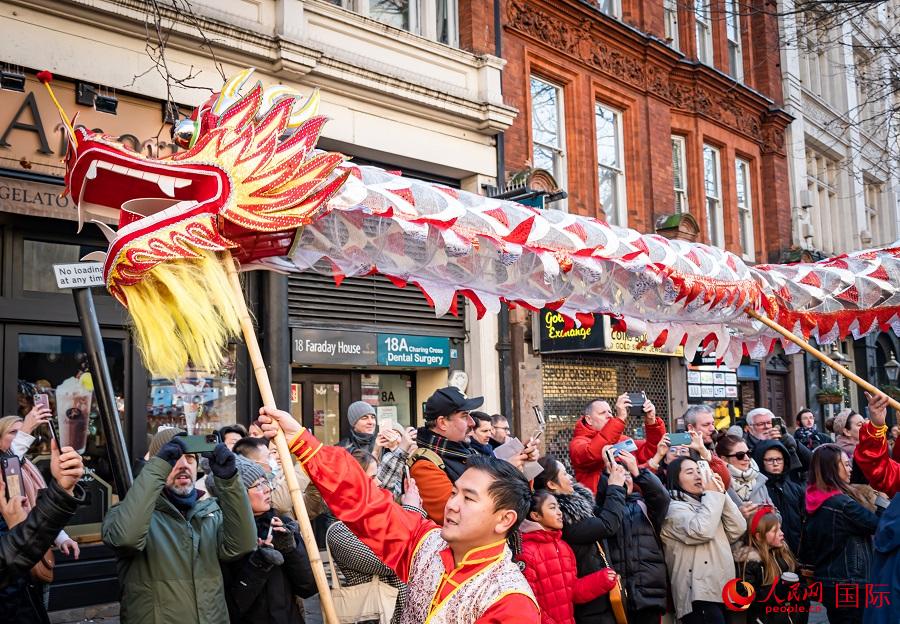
(504, 345)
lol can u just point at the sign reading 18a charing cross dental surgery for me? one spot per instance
(322, 346)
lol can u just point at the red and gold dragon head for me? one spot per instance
(249, 170)
(248, 178)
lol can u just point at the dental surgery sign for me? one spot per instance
(320, 346)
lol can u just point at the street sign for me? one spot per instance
(79, 275)
(413, 351)
(321, 346)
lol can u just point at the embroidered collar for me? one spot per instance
(473, 563)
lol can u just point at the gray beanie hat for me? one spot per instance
(357, 410)
(162, 437)
(248, 471)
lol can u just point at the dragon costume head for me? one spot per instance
(248, 178)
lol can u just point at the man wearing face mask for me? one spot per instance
(169, 537)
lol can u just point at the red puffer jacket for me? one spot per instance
(550, 570)
(586, 447)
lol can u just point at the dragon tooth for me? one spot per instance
(167, 185)
(182, 183)
(92, 171)
(108, 232)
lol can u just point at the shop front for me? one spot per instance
(582, 364)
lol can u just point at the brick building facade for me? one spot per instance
(641, 110)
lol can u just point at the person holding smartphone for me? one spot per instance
(26, 535)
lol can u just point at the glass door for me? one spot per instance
(323, 400)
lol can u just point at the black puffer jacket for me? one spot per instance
(259, 592)
(582, 530)
(27, 542)
(787, 494)
(635, 551)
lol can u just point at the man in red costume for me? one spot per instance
(871, 454)
(462, 572)
(597, 428)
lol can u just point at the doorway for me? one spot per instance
(320, 402)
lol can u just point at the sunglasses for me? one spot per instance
(741, 455)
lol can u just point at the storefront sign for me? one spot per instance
(413, 351)
(79, 274)
(322, 346)
(620, 342)
(710, 382)
(555, 337)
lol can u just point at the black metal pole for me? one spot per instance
(106, 398)
(276, 338)
(504, 344)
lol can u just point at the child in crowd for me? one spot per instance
(550, 564)
(763, 563)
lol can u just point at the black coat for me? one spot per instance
(635, 551)
(582, 529)
(257, 592)
(787, 494)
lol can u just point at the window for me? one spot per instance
(435, 19)
(679, 174)
(881, 228)
(869, 104)
(39, 258)
(704, 33)
(612, 8)
(819, 58)
(828, 213)
(548, 129)
(670, 7)
(712, 176)
(610, 164)
(745, 208)
(733, 32)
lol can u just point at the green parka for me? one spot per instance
(168, 563)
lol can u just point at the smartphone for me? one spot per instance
(200, 443)
(680, 439)
(777, 422)
(271, 526)
(705, 470)
(537, 435)
(637, 403)
(539, 415)
(639, 433)
(42, 399)
(12, 477)
(54, 430)
(385, 424)
(625, 445)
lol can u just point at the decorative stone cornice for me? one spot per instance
(684, 85)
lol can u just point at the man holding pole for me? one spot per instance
(462, 572)
(169, 537)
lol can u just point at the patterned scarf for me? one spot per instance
(804, 436)
(742, 481)
(428, 439)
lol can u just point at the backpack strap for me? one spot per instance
(427, 454)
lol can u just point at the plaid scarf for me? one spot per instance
(447, 449)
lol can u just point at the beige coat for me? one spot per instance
(697, 538)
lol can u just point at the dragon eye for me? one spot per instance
(184, 133)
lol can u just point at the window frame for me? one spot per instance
(670, 18)
(615, 6)
(715, 229)
(683, 191)
(422, 18)
(703, 32)
(621, 194)
(733, 40)
(746, 230)
(560, 158)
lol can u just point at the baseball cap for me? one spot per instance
(447, 401)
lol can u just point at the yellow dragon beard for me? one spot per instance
(170, 332)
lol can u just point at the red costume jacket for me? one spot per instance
(393, 533)
(552, 573)
(871, 455)
(586, 448)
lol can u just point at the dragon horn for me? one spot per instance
(229, 93)
(309, 109)
(108, 232)
(45, 77)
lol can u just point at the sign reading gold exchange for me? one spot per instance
(558, 337)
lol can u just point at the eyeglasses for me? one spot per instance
(774, 460)
(741, 455)
(262, 487)
(763, 424)
(502, 428)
